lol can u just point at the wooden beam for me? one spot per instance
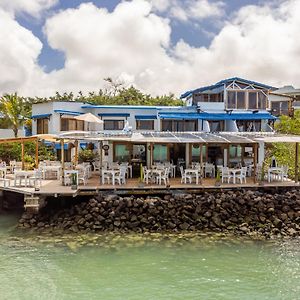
(17, 140)
(101, 157)
(76, 153)
(296, 162)
(22, 154)
(62, 143)
(255, 161)
(36, 153)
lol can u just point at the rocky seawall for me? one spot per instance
(242, 212)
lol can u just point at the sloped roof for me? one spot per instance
(225, 81)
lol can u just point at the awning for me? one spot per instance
(42, 116)
(67, 112)
(217, 117)
(114, 115)
(146, 117)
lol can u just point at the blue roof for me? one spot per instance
(114, 115)
(223, 82)
(42, 116)
(67, 112)
(217, 117)
(125, 106)
(146, 117)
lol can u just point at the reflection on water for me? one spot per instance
(152, 266)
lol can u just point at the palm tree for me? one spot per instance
(12, 107)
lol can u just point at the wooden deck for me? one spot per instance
(133, 186)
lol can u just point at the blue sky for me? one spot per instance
(159, 46)
(52, 59)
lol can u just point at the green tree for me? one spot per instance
(13, 108)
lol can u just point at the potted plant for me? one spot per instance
(218, 178)
(74, 181)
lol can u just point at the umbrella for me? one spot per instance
(90, 118)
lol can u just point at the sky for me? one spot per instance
(158, 46)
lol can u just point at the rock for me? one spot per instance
(184, 226)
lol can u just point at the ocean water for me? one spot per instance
(151, 266)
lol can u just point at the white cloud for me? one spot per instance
(31, 7)
(132, 44)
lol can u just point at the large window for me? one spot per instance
(113, 124)
(280, 108)
(216, 126)
(235, 151)
(69, 124)
(145, 125)
(250, 126)
(196, 151)
(121, 153)
(179, 125)
(246, 100)
(160, 153)
(42, 126)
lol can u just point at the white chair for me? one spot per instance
(120, 177)
(146, 174)
(3, 179)
(164, 177)
(242, 175)
(285, 170)
(209, 170)
(36, 178)
(185, 177)
(226, 174)
(83, 176)
(96, 165)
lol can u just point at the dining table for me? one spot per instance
(56, 169)
(22, 174)
(234, 172)
(110, 172)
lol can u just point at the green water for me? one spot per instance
(153, 266)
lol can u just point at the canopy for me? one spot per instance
(88, 117)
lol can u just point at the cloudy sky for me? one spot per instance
(159, 46)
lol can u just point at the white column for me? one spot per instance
(261, 153)
(187, 155)
(225, 162)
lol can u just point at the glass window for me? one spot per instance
(145, 124)
(231, 100)
(190, 126)
(235, 151)
(122, 153)
(241, 102)
(42, 126)
(252, 97)
(160, 153)
(261, 101)
(216, 126)
(275, 108)
(196, 152)
(113, 124)
(67, 124)
(166, 125)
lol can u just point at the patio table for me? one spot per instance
(56, 169)
(22, 174)
(234, 171)
(159, 173)
(111, 172)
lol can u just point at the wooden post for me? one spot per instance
(101, 157)
(22, 154)
(36, 153)
(201, 162)
(255, 161)
(151, 154)
(76, 153)
(296, 162)
(62, 143)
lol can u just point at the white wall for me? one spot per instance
(8, 133)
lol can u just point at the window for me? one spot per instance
(69, 124)
(249, 125)
(261, 100)
(280, 108)
(181, 125)
(121, 152)
(42, 126)
(231, 102)
(145, 124)
(252, 100)
(216, 126)
(235, 151)
(113, 124)
(160, 153)
(241, 100)
(196, 150)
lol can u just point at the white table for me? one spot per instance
(233, 171)
(275, 171)
(192, 171)
(56, 169)
(111, 172)
(22, 174)
(67, 173)
(159, 173)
